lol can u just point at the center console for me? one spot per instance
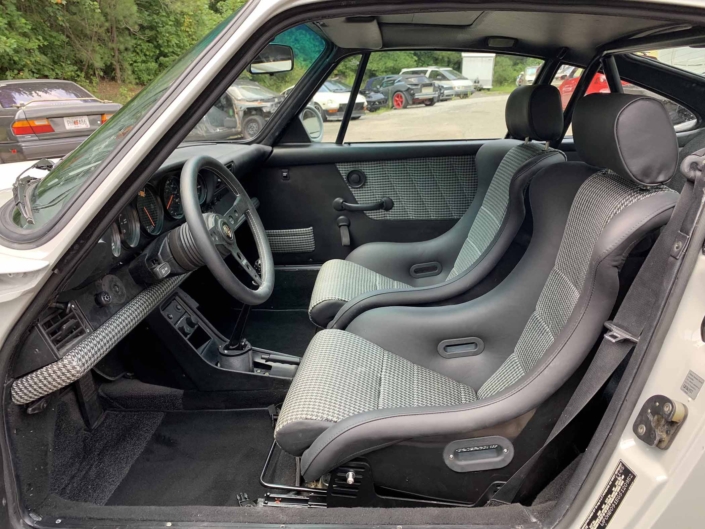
(208, 359)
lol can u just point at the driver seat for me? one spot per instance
(389, 381)
(382, 273)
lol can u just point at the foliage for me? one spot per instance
(88, 41)
(508, 67)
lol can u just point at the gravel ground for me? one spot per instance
(478, 117)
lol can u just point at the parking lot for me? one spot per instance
(480, 116)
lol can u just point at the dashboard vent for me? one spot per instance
(64, 327)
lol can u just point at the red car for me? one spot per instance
(599, 85)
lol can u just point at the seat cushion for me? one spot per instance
(342, 375)
(340, 281)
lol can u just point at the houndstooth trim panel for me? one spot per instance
(422, 188)
(599, 199)
(342, 375)
(87, 353)
(490, 217)
(291, 241)
(340, 280)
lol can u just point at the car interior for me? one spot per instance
(280, 330)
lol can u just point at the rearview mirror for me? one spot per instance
(275, 58)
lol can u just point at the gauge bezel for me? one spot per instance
(159, 221)
(133, 220)
(115, 240)
(170, 177)
(204, 186)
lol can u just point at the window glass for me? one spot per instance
(16, 94)
(252, 99)
(567, 81)
(686, 58)
(332, 98)
(426, 95)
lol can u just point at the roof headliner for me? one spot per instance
(539, 33)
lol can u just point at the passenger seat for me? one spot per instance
(382, 274)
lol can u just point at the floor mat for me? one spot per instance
(199, 458)
(283, 331)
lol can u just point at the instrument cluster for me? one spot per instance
(157, 206)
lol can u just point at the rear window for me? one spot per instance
(685, 58)
(419, 79)
(18, 94)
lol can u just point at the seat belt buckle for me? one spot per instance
(616, 334)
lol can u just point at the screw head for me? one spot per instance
(641, 429)
(667, 407)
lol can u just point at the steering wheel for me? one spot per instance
(214, 235)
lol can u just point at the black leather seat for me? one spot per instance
(385, 382)
(379, 274)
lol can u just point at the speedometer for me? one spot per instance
(150, 211)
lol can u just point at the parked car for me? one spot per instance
(332, 98)
(375, 98)
(679, 115)
(253, 104)
(454, 83)
(45, 118)
(405, 90)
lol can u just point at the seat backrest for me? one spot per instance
(506, 167)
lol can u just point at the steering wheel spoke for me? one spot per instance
(236, 215)
(245, 264)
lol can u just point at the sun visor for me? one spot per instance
(353, 32)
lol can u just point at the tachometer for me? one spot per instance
(171, 196)
(150, 211)
(129, 224)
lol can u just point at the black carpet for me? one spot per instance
(88, 466)
(199, 458)
(283, 331)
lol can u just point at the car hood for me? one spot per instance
(339, 97)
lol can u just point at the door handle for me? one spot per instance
(384, 204)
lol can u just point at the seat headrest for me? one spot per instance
(534, 111)
(631, 135)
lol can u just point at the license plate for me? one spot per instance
(427, 90)
(77, 122)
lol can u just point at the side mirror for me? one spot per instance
(313, 123)
(275, 58)
(231, 123)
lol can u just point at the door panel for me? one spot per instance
(431, 183)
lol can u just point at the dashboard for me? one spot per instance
(157, 208)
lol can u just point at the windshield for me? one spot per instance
(226, 121)
(452, 74)
(254, 92)
(18, 94)
(65, 179)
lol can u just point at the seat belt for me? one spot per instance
(650, 288)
